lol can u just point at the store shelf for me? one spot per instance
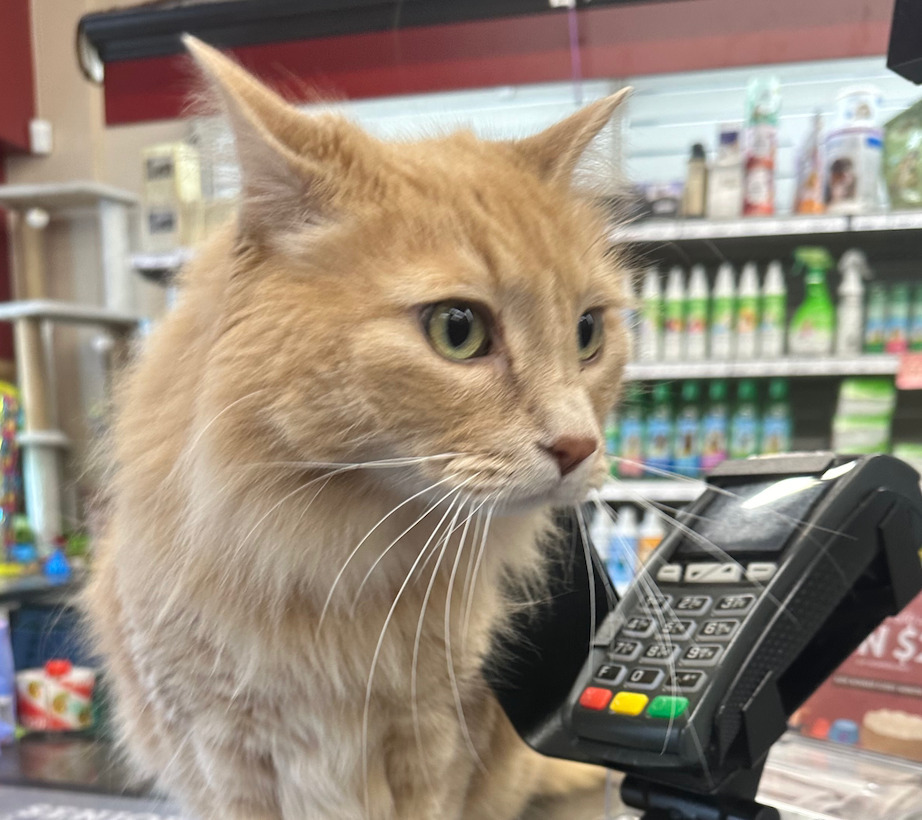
(157, 262)
(63, 195)
(756, 227)
(34, 588)
(871, 365)
(665, 490)
(66, 312)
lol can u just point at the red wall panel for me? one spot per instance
(17, 84)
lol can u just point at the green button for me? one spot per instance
(667, 707)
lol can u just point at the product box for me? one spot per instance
(172, 196)
(903, 158)
(874, 699)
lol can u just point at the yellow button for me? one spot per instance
(629, 703)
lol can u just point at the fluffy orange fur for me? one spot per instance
(314, 514)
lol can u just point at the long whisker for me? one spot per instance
(590, 572)
(456, 692)
(377, 654)
(342, 571)
(457, 488)
(440, 547)
(470, 591)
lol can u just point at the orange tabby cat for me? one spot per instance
(338, 451)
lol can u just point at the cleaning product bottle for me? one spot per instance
(875, 323)
(813, 326)
(763, 104)
(696, 319)
(898, 314)
(7, 683)
(716, 426)
(630, 463)
(744, 426)
(747, 313)
(659, 431)
(674, 334)
(809, 197)
(776, 421)
(622, 551)
(774, 313)
(687, 445)
(650, 336)
(651, 534)
(723, 311)
(915, 329)
(850, 312)
(694, 198)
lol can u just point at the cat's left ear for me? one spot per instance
(555, 152)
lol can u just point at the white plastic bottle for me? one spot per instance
(600, 531)
(622, 555)
(650, 336)
(747, 313)
(723, 310)
(774, 313)
(696, 316)
(850, 312)
(674, 333)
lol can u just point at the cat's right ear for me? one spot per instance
(289, 173)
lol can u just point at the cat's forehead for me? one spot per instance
(503, 227)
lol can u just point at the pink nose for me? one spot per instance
(571, 451)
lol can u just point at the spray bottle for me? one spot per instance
(722, 314)
(814, 324)
(696, 320)
(747, 313)
(650, 342)
(774, 311)
(674, 335)
(850, 330)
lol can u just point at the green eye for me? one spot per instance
(457, 331)
(589, 334)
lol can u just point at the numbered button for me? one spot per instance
(692, 605)
(654, 602)
(644, 678)
(638, 627)
(610, 674)
(680, 630)
(623, 650)
(688, 680)
(702, 654)
(718, 630)
(736, 604)
(660, 652)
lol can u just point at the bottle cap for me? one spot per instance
(691, 391)
(746, 390)
(778, 389)
(717, 390)
(662, 392)
(58, 668)
(697, 151)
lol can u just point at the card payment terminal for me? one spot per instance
(763, 587)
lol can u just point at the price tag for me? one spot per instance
(909, 375)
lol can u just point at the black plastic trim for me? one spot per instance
(152, 30)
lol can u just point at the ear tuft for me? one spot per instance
(556, 151)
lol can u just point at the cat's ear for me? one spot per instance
(287, 159)
(555, 152)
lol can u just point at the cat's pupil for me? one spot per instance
(585, 329)
(458, 324)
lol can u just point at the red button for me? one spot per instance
(594, 698)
